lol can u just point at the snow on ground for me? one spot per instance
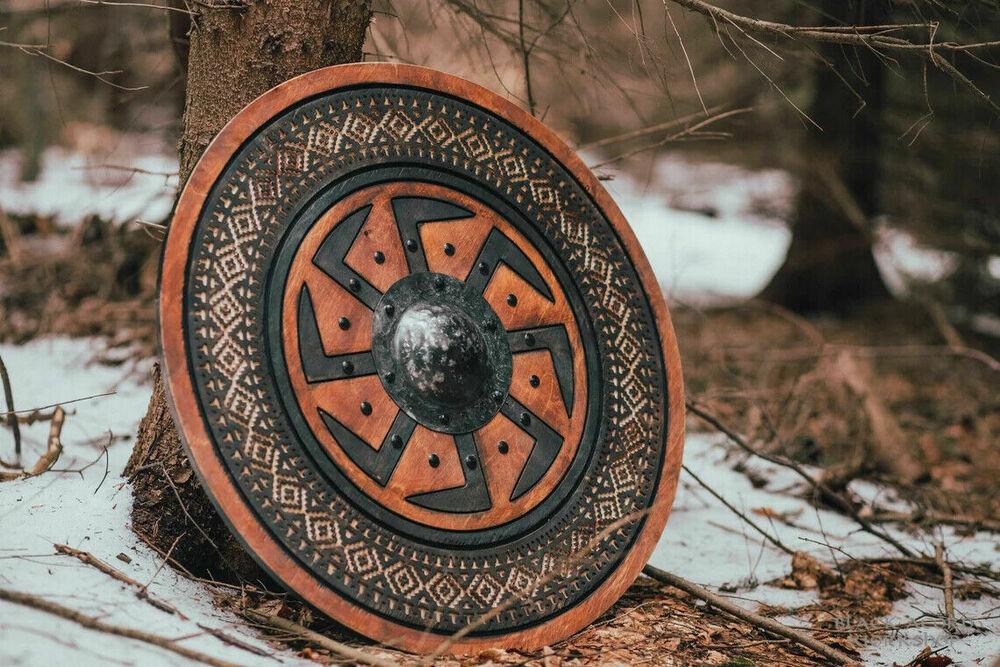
(72, 185)
(700, 227)
(711, 231)
(708, 544)
(84, 512)
(704, 541)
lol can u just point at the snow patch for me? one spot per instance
(72, 185)
(85, 513)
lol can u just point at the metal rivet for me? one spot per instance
(525, 419)
(534, 381)
(348, 367)
(433, 460)
(411, 245)
(471, 461)
(366, 408)
(529, 340)
(511, 300)
(491, 326)
(449, 249)
(344, 323)
(389, 309)
(396, 441)
(443, 418)
(389, 377)
(503, 447)
(354, 284)
(439, 282)
(484, 268)
(497, 395)
(379, 257)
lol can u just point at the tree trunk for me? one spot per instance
(235, 54)
(830, 265)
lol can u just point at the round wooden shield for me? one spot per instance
(419, 360)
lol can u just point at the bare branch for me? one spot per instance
(842, 503)
(871, 37)
(769, 625)
(93, 623)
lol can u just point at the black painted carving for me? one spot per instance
(555, 340)
(410, 213)
(496, 249)
(544, 451)
(472, 496)
(377, 464)
(316, 364)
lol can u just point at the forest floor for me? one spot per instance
(858, 403)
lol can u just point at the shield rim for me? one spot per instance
(216, 481)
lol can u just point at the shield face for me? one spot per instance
(419, 360)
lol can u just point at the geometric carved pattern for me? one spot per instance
(312, 154)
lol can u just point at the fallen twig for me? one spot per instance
(54, 447)
(842, 503)
(118, 575)
(92, 623)
(893, 452)
(233, 641)
(302, 632)
(983, 571)
(51, 454)
(10, 417)
(949, 591)
(770, 538)
(767, 624)
(935, 518)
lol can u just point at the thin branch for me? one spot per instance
(687, 59)
(854, 36)
(166, 8)
(525, 58)
(116, 574)
(770, 538)
(93, 623)
(652, 129)
(767, 624)
(301, 632)
(840, 501)
(11, 415)
(56, 405)
(949, 592)
(677, 136)
(100, 76)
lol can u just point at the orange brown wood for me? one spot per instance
(419, 360)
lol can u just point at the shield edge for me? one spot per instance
(220, 488)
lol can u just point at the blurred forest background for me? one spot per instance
(886, 136)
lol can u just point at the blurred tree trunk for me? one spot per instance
(233, 55)
(830, 265)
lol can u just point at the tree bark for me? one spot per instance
(830, 265)
(234, 55)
